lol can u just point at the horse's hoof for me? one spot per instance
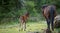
(48, 31)
(19, 30)
(52, 29)
(24, 30)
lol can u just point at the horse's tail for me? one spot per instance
(52, 12)
(52, 16)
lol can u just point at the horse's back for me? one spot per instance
(49, 9)
(52, 10)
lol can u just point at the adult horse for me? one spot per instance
(23, 20)
(49, 12)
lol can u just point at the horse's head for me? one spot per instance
(27, 14)
(44, 6)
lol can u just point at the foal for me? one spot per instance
(23, 20)
(49, 12)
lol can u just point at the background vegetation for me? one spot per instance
(10, 10)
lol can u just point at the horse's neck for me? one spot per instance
(25, 16)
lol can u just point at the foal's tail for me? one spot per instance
(52, 17)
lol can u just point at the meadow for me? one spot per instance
(31, 27)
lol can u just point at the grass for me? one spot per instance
(31, 27)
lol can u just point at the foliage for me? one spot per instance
(15, 8)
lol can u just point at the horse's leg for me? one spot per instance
(48, 23)
(24, 26)
(52, 23)
(21, 25)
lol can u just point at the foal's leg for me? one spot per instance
(24, 26)
(48, 23)
(21, 25)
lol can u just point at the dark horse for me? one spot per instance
(49, 12)
(23, 20)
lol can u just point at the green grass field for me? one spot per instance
(31, 27)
